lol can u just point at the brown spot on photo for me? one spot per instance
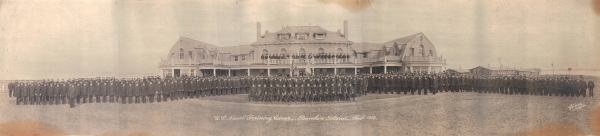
(352, 5)
(29, 128)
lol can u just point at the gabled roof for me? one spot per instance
(236, 50)
(301, 29)
(184, 41)
(403, 40)
(330, 37)
(459, 70)
(495, 68)
(366, 47)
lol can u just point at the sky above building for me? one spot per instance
(64, 39)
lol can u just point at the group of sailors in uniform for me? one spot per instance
(312, 88)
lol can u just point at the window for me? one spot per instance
(191, 56)
(236, 58)
(243, 57)
(284, 36)
(412, 51)
(202, 54)
(301, 36)
(180, 53)
(213, 55)
(321, 51)
(430, 52)
(302, 51)
(192, 72)
(365, 55)
(422, 50)
(283, 51)
(320, 36)
(172, 55)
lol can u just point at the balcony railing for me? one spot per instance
(422, 59)
(304, 61)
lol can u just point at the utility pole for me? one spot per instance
(500, 63)
(552, 68)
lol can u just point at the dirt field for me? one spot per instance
(385, 114)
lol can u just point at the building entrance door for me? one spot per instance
(177, 71)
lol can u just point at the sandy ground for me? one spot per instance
(389, 114)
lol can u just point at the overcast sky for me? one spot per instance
(61, 39)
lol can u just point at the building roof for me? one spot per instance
(460, 70)
(236, 50)
(403, 40)
(366, 47)
(506, 68)
(330, 37)
(184, 41)
(301, 29)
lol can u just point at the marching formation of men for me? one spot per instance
(314, 88)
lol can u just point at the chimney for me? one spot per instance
(346, 29)
(258, 36)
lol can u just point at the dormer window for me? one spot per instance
(319, 36)
(302, 36)
(284, 37)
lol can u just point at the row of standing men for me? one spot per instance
(302, 88)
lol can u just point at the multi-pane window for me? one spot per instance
(320, 36)
(422, 50)
(236, 58)
(190, 53)
(412, 51)
(302, 51)
(180, 53)
(430, 52)
(302, 37)
(283, 51)
(284, 37)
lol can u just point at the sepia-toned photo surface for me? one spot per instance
(299, 67)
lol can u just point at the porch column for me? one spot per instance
(355, 71)
(214, 72)
(370, 70)
(334, 60)
(429, 69)
(172, 72)
(384, 69)
(248, 72)
(335, 71)
(229, 72)
(268, 72)
(411, 68)
(291, 72)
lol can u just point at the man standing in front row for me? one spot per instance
(72, 95)
(590, 86)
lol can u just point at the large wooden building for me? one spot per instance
(297, 50)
